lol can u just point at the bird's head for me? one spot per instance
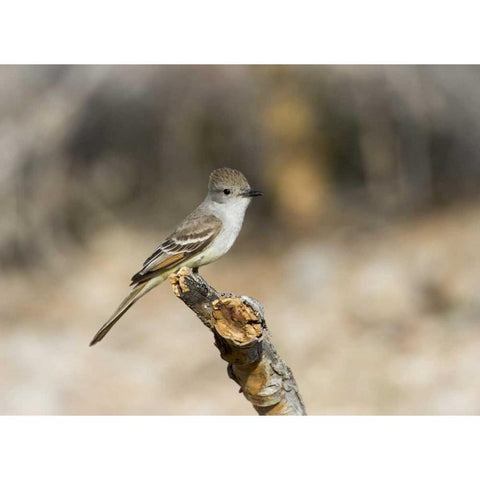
(227, 185)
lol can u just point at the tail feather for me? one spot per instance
(137, 292)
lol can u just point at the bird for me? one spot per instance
(201, 238)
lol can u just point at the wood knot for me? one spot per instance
(236, 321)
(178, 281)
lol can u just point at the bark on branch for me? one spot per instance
(244, 342)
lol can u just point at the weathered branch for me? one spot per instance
(244, 342)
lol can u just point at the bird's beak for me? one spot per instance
(252, 193)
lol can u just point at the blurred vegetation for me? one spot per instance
(85, 146)
(370, 216)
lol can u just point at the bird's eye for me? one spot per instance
(226, 191)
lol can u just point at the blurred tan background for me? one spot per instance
(364, 250)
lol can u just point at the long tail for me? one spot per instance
(137, 292)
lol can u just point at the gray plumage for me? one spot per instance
(204, 236)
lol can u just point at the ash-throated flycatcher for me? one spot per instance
(204, 236)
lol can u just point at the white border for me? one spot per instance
(240, 447)
(244, 32)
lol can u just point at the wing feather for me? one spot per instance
(193, 235)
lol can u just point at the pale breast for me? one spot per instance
(232, 223)
(220, 246)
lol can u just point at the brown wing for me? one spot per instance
(194, 234)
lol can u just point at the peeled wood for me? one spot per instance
(244, 342)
